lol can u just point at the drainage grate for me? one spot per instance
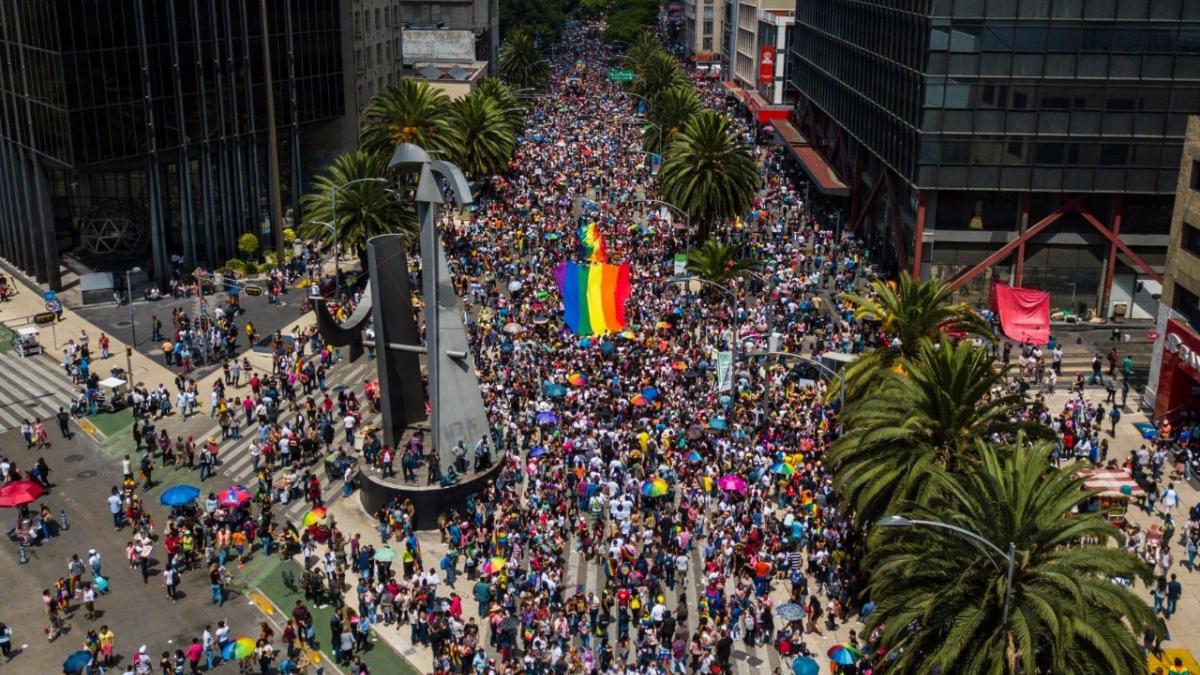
(73, 458)
(123, 324)
(86, 474)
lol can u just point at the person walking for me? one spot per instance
(64, 423)
(114, 507)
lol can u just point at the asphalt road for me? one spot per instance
(137, 613)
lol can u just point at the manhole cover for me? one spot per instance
(73, 458)
(122, 324)
(86, 474)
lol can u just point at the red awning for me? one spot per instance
(764, 111)
(821, 173)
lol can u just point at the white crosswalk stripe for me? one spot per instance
(31, 387)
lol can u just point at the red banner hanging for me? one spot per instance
(766, 64)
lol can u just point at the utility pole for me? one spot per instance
(272, 140)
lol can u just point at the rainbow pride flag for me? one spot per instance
(593, 296)
(594, 249)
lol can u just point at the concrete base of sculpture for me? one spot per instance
(430, 501)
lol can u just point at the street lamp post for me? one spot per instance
(729, 295)
(1010, 556)
(337, 266)
(638, 120)
(687, 219)
(132, 325)
(829, 372)
(333, 209)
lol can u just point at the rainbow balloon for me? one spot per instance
(593, 296)
(594, 248)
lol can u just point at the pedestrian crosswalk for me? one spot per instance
(32, 387)
(237, 467)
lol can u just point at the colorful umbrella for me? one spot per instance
(554, 390)
(732, 483)
(627, 334)
(717, 423)
(576, 379)
(654, 487)
(385, 554)
(494, 565)
(607, 348)
(178, 495)
(678, 365)
(547, 419)
(843, 654)
(238, 649)
(234, 496)
(650, 393)
(20, 493)
(314, 516)
(805, 665)
(783, 469)
(77, 661)
(639, 400)
(790, 611)
(537, 451)
(694, 456)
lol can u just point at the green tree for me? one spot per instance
(521, 65)
(408, 112)
(507, 99)
(670, 110)
(658, 73)
(940, 597)
(906, 309)
(484, 140)
(929, 413)
(640, 50)
(708, 172)
(719, 263)
(248, 245)
(364, 209)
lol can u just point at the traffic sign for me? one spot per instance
(617, 75)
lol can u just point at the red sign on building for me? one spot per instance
(1180, 372)
(766, 64)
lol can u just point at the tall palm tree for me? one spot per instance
(484, 140)
(521, 65)
(640, 51)
(408, 112)
(708, 172)
(364, 209)
(670, 110)
(507, 99)
(940, 597)
(906, 310)
(928, 414)
(719, 263)
(658, 73)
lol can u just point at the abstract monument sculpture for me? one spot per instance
(456, 407)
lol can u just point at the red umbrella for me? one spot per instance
(234, 496)
(20, 492)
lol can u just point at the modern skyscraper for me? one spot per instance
(136, 129)
(1031, 141)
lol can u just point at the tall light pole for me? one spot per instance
(337, 269)
(132, 325)
(729, 295)
(826, 370)
(275, 205)
(333, 226)
(1010, 556)
(687, 218)
(627, 121)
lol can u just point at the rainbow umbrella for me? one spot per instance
(234, 496)
(663, 324)
(654, 487)
(627, 334)
(650, 393)
(576, 379)
(494, 565)
(678, 365)
(238, 649)
(783, 469)
(314, 516)
(843, 654)
(639, 400)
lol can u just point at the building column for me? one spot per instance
(919, 236)
(1111, 268)
(1022, 225)
(47, 247)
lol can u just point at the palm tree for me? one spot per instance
(671, 110)
(940, 597)
(484, 140)
(364, 209)
(409, 112)
(906, 310)
(641, 51)
(507, 99)
(658, 73)
(716, 262)
(708, 172)
(928, 414)
(520, 63)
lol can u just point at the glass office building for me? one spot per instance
(137, 128)
(1030, 141)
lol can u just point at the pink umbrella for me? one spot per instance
(732, 483)
(234, 496)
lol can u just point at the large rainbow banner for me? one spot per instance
(593, 296)
(594, 249)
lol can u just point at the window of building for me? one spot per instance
(708, 26)
(368, 20)
(358, 23)
(1190, 239)
(387, 18)
(708, 43)
(1194, 177)
(378, 23)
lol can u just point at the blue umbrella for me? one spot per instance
(607, 348)
(805, 665)
(554, 390)
(179, 495)
(538, 451)
(694, 457)
(76, 662)
(650, 393)
(717, 423)
(547, 418)
(585, 342)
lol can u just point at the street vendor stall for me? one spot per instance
(1116, 488)
(26, 342)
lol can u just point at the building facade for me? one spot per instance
(1035, 142)
(745, 38)
(134, 132)
(1181, 287)
(703, 27)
